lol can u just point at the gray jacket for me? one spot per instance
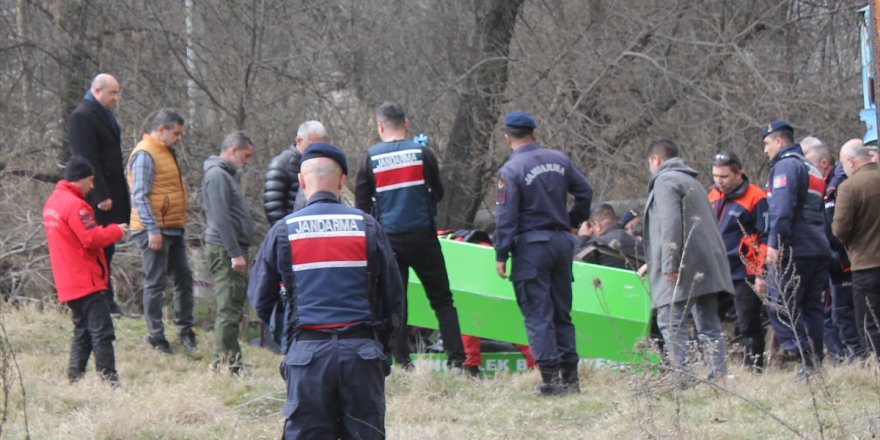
(229, 222)
(682, 236)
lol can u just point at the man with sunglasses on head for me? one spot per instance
(797, 248)
(740, 208)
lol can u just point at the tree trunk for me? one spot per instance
(71, 46)
(200, 114)
(466, 159)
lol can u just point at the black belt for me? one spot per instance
(317, 335)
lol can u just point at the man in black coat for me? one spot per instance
(95, 135)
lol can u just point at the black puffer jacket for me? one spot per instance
(281, 185)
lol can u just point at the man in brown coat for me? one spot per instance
(855, 225)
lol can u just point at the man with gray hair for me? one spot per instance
(228, 234)
(840, 335)
(855, 225)
(281, 194)
(158, 217)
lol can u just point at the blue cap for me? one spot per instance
(628, 216)
(774, 126)
(321, 149)
(519, 120)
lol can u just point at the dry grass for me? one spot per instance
(178, 397)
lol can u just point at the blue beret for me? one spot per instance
(775, 126)
(519, 120)
(326, 150)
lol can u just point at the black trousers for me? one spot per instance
(420, 250)
(866, 302)
(92, 332)
(748, 317)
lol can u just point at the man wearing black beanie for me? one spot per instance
(76, 251)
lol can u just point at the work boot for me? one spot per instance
(188, 340)
(472, 371)
(550, 383)
(159, 343)
(570, 381)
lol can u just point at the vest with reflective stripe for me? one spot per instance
(402, 200)
(328, 249)
(168, 194)
(812, 210)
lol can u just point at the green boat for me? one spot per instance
(611, 307)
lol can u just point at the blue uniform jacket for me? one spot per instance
(273, 265)
(793, 189)
(533, 186)
(399, 183)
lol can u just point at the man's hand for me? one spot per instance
(585, 229)
(760, 287)
(238, 264)
(671, 277)
(501, 268)
(154, 241)
(105, 205)
(643, 270)
(123, 226)
(772, 258)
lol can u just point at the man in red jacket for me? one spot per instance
(76, 251)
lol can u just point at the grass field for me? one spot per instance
(179, 397)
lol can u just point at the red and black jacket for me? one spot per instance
(741, 216)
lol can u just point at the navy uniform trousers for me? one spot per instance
(541, 276)
(796, 306)
(335, 389)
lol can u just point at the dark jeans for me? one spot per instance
(92, 332)
(866, 299)
(748, 318)
(795, 311)
(171, 259)
(841, 335)
(421, 250)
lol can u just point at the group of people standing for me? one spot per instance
(332, 278)
(803, 251)
(100, 198)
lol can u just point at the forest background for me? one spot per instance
(603, 78)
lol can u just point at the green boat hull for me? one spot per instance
(611, 308)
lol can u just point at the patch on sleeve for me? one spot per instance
(501, 193)
(780, 181)
(87, 219)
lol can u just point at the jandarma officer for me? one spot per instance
(533, 227)
(347, 300)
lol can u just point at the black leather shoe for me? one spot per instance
(160, 344)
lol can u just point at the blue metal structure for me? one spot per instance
(868, 114)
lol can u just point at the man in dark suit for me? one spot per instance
(95, 135)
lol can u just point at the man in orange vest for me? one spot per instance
(158, 217)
